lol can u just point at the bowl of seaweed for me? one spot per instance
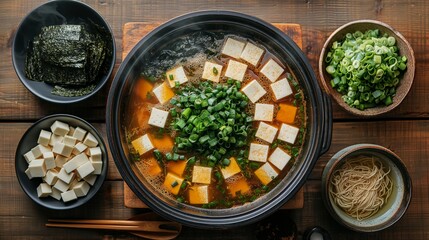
(63, 51)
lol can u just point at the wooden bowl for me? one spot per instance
(404, 50)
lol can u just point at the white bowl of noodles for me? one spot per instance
(366, 187)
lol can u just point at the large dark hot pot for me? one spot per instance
(319, 115)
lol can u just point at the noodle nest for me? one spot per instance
(361, 186)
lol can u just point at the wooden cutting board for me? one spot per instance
(133, 32)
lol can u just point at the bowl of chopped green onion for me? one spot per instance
(367, 67)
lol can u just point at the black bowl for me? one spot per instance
(56, 13)
(319, 117)
(29, 140)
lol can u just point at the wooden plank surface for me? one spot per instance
(133, 32)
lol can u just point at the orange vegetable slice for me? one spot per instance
(287, 113)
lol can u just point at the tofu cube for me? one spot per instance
(55, 194)
(51, 177)
(95, 153)
(233, 48)
(79, 148)
(286, 113)
(69, 140)
(264, 112)
(272, 70)
(212, 71)
(142, 144)
(62, 149)
(158, 117)
(43, 190)
(29, 156)
(60, 161)
(79, 134)
(71, 131)
(266, 173)
(231, 169)
(279, 158)
(281, 89)
(68, 196)
(75, 162)
(202, 174)
(54, 139)
(252, 54)
(90, 140)
(37, 168)
(172, 183)
(163, 93)
(39, 150)
(44, 137)
(239, 185)
(60, 128)
(90, 179)
(288, 133)
(65, 176)
(49, 160)
(98, 166)
(81, 188)
(176, 75)
(236, 70)
(61, 186)
(266, 132)
(176, 167)
(199, 194)
(254, 91)
(258, 152)
(28, 173)
(85, 169)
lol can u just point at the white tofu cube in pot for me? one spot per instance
(199, 194)
(252, 54)
(62, 149)
(163, 93)
(81, 188)
(254, 91)
(235, 70)
(266, 173)
(39, 150)
(79, 148)
(75, 162)
(288, 133)
(266, 132)
(233, 48)
(60, 161)
(272, 70)
(65, 176)
(60, 128)
(279, 158)
(95, 153)
(281, 89)
(51, 177)
(158, 117)
(176, 75)
(61, 186)
(29, 156)
(54, 139)
(142, 144)
(44, 137)
(43, 190)
(55, 194)
(49, 160)
(264, 112)
(69, 140)
(201, 174)
(258, 152)
(231, 169)
(212, 71)
(85, 169)
(97, 164)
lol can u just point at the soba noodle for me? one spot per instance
(361, 186)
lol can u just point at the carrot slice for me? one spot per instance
(287, 113)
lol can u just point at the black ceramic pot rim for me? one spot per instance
(318, 142)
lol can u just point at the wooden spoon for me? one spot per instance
(147, 225)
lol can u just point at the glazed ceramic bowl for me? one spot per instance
(397, 203)
(29, 140)
(404, 47)
(59, 12)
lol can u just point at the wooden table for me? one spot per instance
(404, 130)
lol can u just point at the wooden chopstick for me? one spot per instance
(111, 227)
(110, 222)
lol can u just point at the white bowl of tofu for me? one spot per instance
(61, 161)
(215, 119)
